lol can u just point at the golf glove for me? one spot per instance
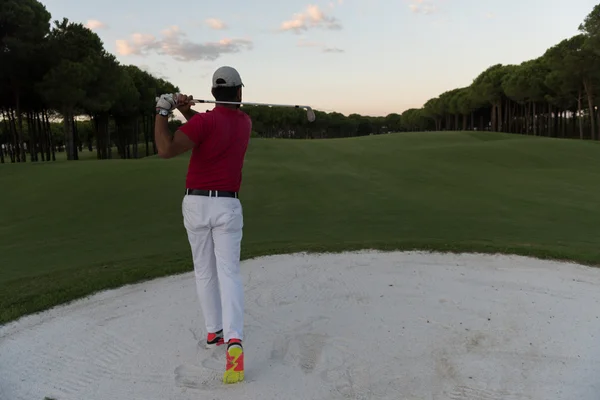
(166, 102)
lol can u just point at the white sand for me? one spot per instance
(352, 326)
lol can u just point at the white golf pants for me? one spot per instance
(214, 227)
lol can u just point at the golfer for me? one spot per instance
(212, 212)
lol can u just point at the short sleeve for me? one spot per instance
(196, 128)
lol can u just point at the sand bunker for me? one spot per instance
(364, 325)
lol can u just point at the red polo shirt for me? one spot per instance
(221, 136)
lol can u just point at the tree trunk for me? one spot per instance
(50, 138)
(16, 139)
(68, 132)
(30, 132)
(90, 139)
(19, 126)
(146, 134)
(556, 122)
(533, 116)
(109, 143)
(47, 139)
(7, 134)
(41, 137)
(136, 138)
(76, 141)
(4, 134)
(499, 117)
(511, 117)
(579, 116)
(597, 114)
(549, 121)
(525, 118)
(152, 123)
(35, 137)
(118, 139)
(96, 133)
(505, 108)
(102, 132)
(590, 97)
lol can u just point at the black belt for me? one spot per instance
(210, 193)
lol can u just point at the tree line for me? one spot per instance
(61, 91)
(63, 73)
(59, 74)
(554, 95)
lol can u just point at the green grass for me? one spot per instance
(68, 229)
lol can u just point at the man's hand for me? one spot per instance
(183, 102)
(184, 105)
(166, 102)
(172, 146)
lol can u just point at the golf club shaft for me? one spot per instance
(250, 104)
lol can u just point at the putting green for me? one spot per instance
(68, 229)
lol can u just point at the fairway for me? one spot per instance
(68, 229)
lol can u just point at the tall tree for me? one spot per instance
(590, 28)
(434, 109)
(525, 85)
(79, 53)
(103, 90)
(575, 67)
(24, 25)
(487, 88)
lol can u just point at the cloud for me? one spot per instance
(324, 48)
(216, 24)
(138, 44)
(490, 15)
(422, 7)
(94, 24)
(175, 44)
(312, 17)
(333, 3)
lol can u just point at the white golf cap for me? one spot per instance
(226, 77)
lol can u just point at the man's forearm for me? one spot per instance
(162, 136)
(189, 114)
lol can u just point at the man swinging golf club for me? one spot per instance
(212, 212)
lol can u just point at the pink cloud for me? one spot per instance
(175, 44)
(422, 7)
(312, 17)
(216, 24)
(94, 24)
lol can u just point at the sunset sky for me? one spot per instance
(371, 57)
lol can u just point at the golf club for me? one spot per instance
(310, 114)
